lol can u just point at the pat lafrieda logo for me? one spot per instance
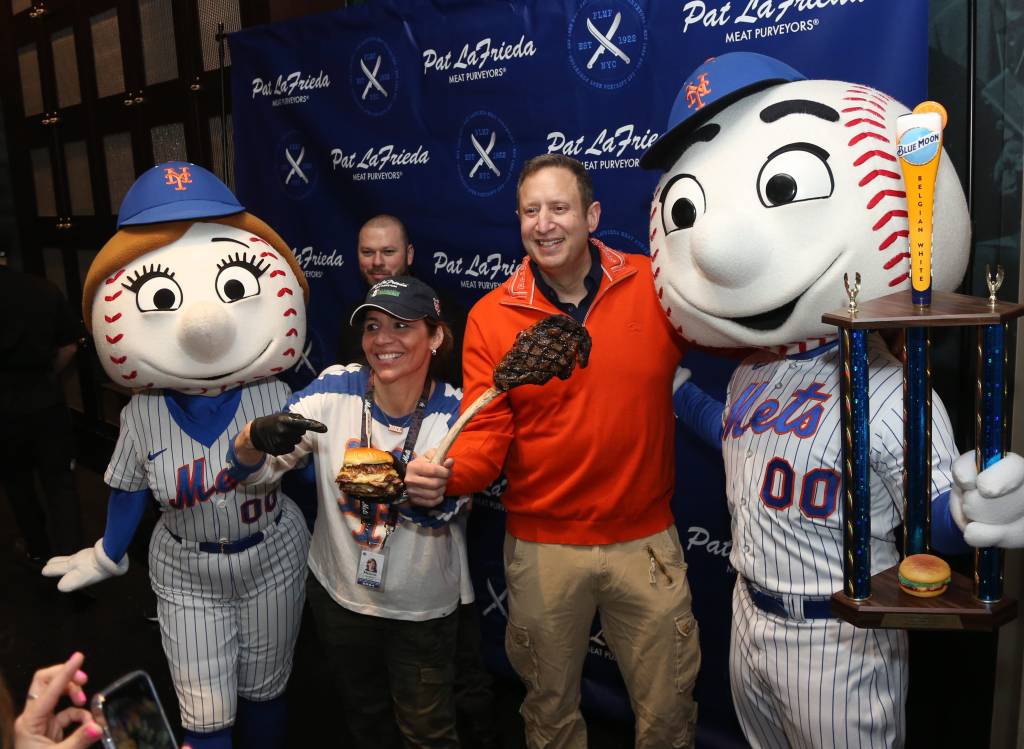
(477, 60)
(485, 153)
(290, 88)
(610, 148)
(314, 262)
(607, 42)
(482, 270)
(378, 162)
(374, 76)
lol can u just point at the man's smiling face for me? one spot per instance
(776, 197)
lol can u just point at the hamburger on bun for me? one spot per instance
(923, 575)
(369, 473)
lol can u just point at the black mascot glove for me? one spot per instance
(278, 434)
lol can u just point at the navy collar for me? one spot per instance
(591, 282)
(814, 352)
(202, 417)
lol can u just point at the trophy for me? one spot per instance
(878, 601)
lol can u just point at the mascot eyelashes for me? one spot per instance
(774, 186)
(196, 305)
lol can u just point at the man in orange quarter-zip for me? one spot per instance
(590, 468)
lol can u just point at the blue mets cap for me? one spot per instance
(175, 191)
(716, 84)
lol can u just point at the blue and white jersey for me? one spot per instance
(425, 566)
(782, 446)
(182, 461)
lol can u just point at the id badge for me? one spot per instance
(371, 570)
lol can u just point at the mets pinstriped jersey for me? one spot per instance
(187, 472)
(782, 448)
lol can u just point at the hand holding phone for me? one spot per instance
(39, 725)
(131, 716)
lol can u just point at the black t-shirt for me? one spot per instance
(35, 320)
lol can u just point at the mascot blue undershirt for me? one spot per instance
(774, 186)
(196, 306)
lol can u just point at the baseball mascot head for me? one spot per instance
(192, 293)
(774, 186)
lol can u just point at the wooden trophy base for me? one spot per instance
(889, 607)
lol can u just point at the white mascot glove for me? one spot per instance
(84, 568)
(989, 507)
(681, 376)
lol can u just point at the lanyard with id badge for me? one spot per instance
(370, 571)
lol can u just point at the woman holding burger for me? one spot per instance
(386, 575)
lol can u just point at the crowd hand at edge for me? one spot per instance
(278, 434)
(40, 726)
(425, 482)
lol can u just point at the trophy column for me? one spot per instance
(877, 600)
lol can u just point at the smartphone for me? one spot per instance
(131, 716)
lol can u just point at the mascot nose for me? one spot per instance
(730, 259)
(206, 331)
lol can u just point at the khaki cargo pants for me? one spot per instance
(641, 591)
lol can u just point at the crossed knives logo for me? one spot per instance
(485, 153)
(297, 167)
(609, 45)
(604, 41)
(371, 78)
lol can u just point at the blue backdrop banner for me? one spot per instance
(428, 110)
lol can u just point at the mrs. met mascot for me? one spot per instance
(196, 305)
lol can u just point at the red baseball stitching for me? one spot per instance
(112, 297)
(291, 331)
(288, 352)
(864, 109)
(113, 318)
(865, 121)
(114, 278)
(861, 136)
(115, 339)
(885, 219)
(119, 359)
(878, 173)
(268, 254)
(899, 279)
(892, 238)
(276, 369)
(290, 311)
(131, 376)
(277, 273)
(870, 154)
(284, 291)
(895, 259)
(882, 194)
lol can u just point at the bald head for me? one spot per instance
(383, 249)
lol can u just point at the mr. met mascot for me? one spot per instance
(774, 187)
(196, 305)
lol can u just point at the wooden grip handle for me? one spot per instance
(441, 451)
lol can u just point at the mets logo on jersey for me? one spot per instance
(177, 177)
(695, 92)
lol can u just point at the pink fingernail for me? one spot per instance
(76, 653)
(78, 698)
(80, 675)
(94, 731)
